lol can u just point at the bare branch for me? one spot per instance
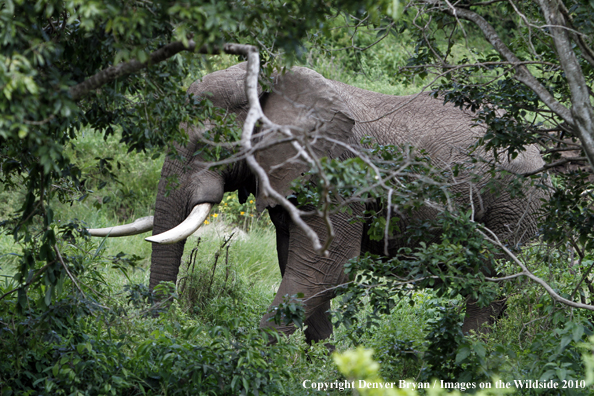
(481, 64)
(254, 115)
(526, 272)
(61, 260)
(555, 164)
(44, 121)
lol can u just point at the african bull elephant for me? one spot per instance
(306, 100)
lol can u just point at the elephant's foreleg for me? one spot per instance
(315, 276)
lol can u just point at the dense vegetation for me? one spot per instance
(76, 316)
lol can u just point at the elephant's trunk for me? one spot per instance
(180, 210)
(168, 246)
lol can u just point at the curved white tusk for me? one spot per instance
(139, 226)
(185, 228)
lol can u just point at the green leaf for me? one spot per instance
(479, 349)
(462, 354)
(578, 332)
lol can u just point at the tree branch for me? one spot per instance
(254, 115)
(587, 52)
(111, 73)
(581, 108)
(554, 164)
(33, 279)
(522, 73)
(525, 271)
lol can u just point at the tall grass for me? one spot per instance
(226, 271)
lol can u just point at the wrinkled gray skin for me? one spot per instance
(306, 99)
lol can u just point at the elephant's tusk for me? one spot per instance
(185, 228)
(139, 226)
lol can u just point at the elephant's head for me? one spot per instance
(301, 99)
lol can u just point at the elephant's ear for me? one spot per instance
(225, 89)
(310, 104)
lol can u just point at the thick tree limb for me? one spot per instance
(581, 109)
(587, 52)
(111, 73)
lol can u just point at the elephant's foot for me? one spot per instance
(480, 319)
(319, 328)
(319, 325)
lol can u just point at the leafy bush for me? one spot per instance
(93, 338)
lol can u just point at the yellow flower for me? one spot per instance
(241, 213)
(215, 215)
(251, 215)
(206, 221)
(251, 201)
(225, 203)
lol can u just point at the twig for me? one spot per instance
(585, 276)
(227, 264)
(68, 272)
(216, 259)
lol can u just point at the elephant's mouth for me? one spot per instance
(186, 228)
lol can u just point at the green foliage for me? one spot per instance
(221, 280)
(477, 77)
(358, 366)
(441, 357)
(290, 311)
(455, 265)
(101, 340)
(76, 318)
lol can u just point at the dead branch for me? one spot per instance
(255, 114)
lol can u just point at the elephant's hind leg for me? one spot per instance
(511, 220)
(480, 318)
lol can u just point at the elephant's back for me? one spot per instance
(446, 132)
(418, 119)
